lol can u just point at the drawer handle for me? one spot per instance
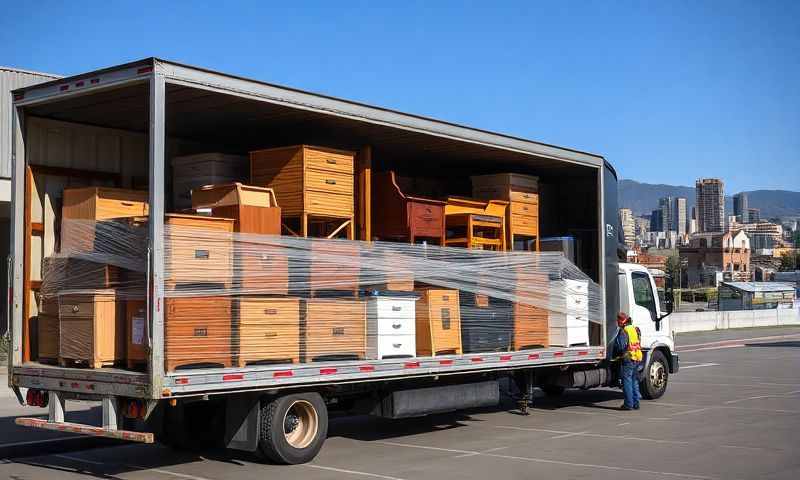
(332, 161)
(202, 254)
(525, 208)
(330, 181)
(126, 204)
(396, 308)
(271, 334)
(397, 345)
(75, 309)
(337, 331)
(270, 311)
(397, 326)
(445, 319)
(428, 210)
(445, 298)
(200, 332)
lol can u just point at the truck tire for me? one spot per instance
(656, 377)
(293, 427)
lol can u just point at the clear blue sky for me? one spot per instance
(668, 91)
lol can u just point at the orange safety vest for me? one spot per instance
(634, 346)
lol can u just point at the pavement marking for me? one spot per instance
(36, 442)
(78, 459)
(696, 410)
(350, 472)
(464, 455)
(553, 462)
(755, 409)
(752, 339)
(623, 424)
(569, 434)
(594, 435)
(139, 467)
(719, 347)
(740, 385)
(776, 395)
(700, 365)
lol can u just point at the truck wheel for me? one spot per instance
(553, 390)
(656, 376)
(293, 427)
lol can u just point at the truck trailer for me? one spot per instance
(119, 127)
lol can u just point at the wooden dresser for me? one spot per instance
(48, 331)
(438, 324)
(391, 327)
(259, 268)
(402, 217)
(197, 249)
(197, 331)
(267, 330)
(136, 334)
(92, 329)
(334, 267)
(570, 328)
(531, 327)
(95, 204)
(523, 213)
(314, 187)
(333, 329)
(473, 223)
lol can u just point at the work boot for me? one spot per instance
(625, 407)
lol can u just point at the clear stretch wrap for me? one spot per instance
(241, 299)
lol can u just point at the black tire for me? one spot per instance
(656, 377)
(284, 436)
(553, 390)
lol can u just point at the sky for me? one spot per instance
(667, 91)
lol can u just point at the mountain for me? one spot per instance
(642, 198)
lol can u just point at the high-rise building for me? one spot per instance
(740, 207)
(753, 215)
(628, 226)
(710, 205)
(693, 221)
(656, 221)
(680, 224)
(666, 205)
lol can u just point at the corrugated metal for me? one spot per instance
(11, 79)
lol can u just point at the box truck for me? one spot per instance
(119, 127)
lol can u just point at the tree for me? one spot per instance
(672, 267)
(790, 261)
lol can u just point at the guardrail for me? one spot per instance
(703, 321)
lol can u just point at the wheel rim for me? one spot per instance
(658, 375)
(300, 424)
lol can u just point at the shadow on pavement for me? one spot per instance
(785, 344)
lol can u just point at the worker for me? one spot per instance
(628, 349)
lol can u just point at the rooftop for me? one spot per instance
(760, 287)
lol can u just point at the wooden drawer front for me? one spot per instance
(76, 307)
(531, 327)
(445, 320)
(77, 339)
(198, 260)
(197, 330)
(425, 219)
(524, 221)
(331, 182)
(263, 273)
(278, 313)
(442, 298)
(117, 208)
(334, 327)
(323, 203)
(267, 342)
(524, 197)
(330, 161)
(524, 209)
(48, 334)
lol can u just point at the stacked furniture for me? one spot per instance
(405, 218)
(531, 327)
(333, 329)
(438, 322)
(486, 328)
(197, 332)
(48, 329)
(191, 172)
(96, 204)
(473, 223)
(521, 191)
(267, 329)
(571, 328)
(391, 328)
(91, 326)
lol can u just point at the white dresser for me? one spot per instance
(391, 327)
(571, 328)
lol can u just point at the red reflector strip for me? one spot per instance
(90, 386)
(558, 354)
(505, 358)
(583, 352)
(445, 362)
(80, 84)
(533, 356)
(282, 374)
(476, 359)
(63, 88)
(144, 70)
(94, 80)
(366, 368)
(19, 96)
(233, 377)
(182, 381)
(411, 365)
(75, 385)
(327, 371)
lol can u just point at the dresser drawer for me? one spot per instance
(524, 221)
(577, 286)
(330, 161)
(525, 209)
(280, 314)
(517, 196)
(262, 273)
(426, 217)
(577, 321)
(396, 346)
(392, 308)
(76, 307)
(577, 303)
(332, 182)
(117, 208)
(394, 326)
(329, 203)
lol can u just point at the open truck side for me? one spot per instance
(152, 109)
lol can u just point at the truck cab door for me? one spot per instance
(645, 310)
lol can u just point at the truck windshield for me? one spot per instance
(643, 292)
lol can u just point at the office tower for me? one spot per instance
(656, 223)
(679, 213)
(628, 226)
(666, 205)
(710, 205)
(753, 215)
(740, 207)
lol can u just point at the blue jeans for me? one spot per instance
(630, 383)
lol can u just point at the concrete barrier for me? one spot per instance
(702, 321)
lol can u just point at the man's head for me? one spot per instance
(623, 319)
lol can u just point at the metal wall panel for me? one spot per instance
(11, 79)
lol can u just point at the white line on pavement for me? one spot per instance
(696, 410)
(350, 472)
(464, 455)
(569, 434)
(594, 435)
(702, 349)
(78, 459)
(718, 342)
(138, 467)
(700, 365)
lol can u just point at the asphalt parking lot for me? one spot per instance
(731, 412)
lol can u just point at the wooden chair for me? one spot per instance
(483, 223)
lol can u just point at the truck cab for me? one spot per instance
(639, 299)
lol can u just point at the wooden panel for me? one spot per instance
(96, 203)
(252, 219)
(231, 194)
(522, 221)
(513, 180)
(438, 322)
(426, 219)
(136, 332)
(92, 331)
(524, 197)
(322, 203)
(364, 194)
(197, 331)
(331, 160)
(198, 249)
(268, 329)
(524, 209)
(531, 328)
(328, 274)
(48, 337)
(282, 170)
(333, 328)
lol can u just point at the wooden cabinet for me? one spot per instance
(391, 327)
(267, 330)
(95, 204)
(313, 185)
(197, 250)
(197, 332)
(531, 327)
(92, 330)
(74, 273)
(333, 328)
(260, 267)
(402, 217)
(333, 266)
(438, 322)
(473, 223)
(48, 331)
(136, 334)
(523, 215)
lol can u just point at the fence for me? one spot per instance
(701, 321)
